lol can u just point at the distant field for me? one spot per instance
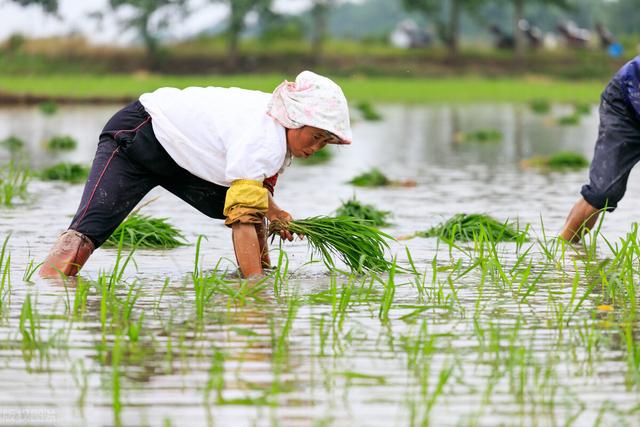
(374, 89)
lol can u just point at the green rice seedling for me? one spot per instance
(5, 277)
(480, 135)
(143, 231)
(48, 108)
(559, 162)
(582, 108)
(388, 295)
(468, 228)
(82, 289)
(61, 143)
(319, 157)
(368, 112)
(70, 172)
(12, 143)
(540, 106)
(569, 120)
(367, 213)
(29, 325)
(14, 180)
(31, 268)
(372, 178)
(358, 245)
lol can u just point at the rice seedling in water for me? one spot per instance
(12, 143)
(540, 106)
(358, 245)
(48, 108)
(569, 120)
(143, 231)
(562, 161)
(469, 227)
(62, 143)
(368, 112)
(319, 157)
(373, 178)
(480, 135)
(582, 108)
(13, 183)
(367, 213)
(69, 172)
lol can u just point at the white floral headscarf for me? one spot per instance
(312, 100)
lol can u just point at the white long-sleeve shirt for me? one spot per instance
(218, 134)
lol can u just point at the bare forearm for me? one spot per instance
(247, 249)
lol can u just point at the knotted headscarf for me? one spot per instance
(312, 100)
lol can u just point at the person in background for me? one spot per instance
(218, 149)
(616, 153)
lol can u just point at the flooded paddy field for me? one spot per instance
(481, 333)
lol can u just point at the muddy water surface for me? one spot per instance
(317, 349)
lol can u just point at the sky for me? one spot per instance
(33, 22)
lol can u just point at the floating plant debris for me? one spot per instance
(358, 245)
(12, 143)
(143, 231)
(569, 120)
(480, 135)
(540, 106)
(48, 108)
(561, 161)
(582, 108)
(69, 172)
(62, 143)
(469, 227)
(367, 213)
(319, 157)
(372, 178)
(368, 112)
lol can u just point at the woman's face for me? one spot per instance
(307, 140)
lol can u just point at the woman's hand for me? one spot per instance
(279, 215)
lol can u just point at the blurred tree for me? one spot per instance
(320, 14)
(50, 6)
(238, 11)
(445, 16)
(141, 21)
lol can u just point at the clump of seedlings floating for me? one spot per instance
(561, 161)
(367, 213)
(368, 112)
(470, 227)
(360, 246)
(68, 172)
(319, 157)
(14, 180)
(143, 231)
(62, 143)
(375, 178)
(48, 108)
(12, 143)
(540, 106)
(480, 135)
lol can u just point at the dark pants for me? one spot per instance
(129, 162)
(617, 149)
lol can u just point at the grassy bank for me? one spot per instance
(375, 89)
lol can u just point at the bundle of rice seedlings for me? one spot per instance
(12, 143)
(48, 108)
(360, 246)
(143, 231)
(562, 161)
(367, 213)
(61, 143)
(69, 172)
(373, 178)
(480, 135)
(368, 112)
(14, 179)
(319, 157)
(469, 227)
(540, 106)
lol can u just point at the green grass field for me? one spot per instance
(375, 89)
